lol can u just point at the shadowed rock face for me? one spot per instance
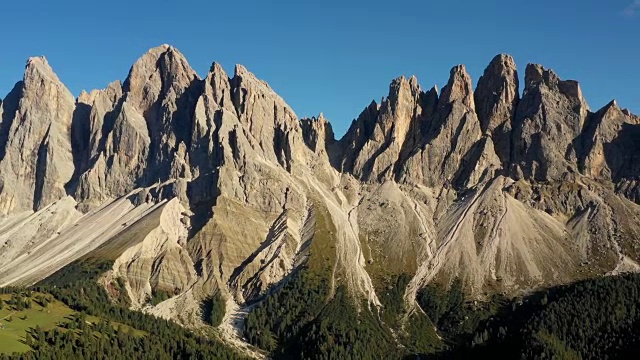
(549, 117)
(496, 98)
(452, 131)
(138, 134)
(202, 185)
(396, 122)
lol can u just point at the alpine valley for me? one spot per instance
(202, 218)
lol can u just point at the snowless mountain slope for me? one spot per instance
(198, 186)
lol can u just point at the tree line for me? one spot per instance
(76, 286)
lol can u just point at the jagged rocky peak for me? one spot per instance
(248, 89)
(405, 100)
(38, 68)
(430, 101)
(40, 79)
(359, 132)
(497, 93)
(213, 105)
(608, 145)
(164, 88)
(38, 159)
(496, 97)
(89, 119)
(537, 76)
(139, 131)
(317, 133)
(162, 70)
(219, 88)
(174, 115)
(273, 125)
(627, 112)
(112, 92)
(401, 108)
(376, 140)
(608, 112)
(412, 134)
(216, 95)
(550, 115)
(402, 89)
(458, 88)
(452, 133)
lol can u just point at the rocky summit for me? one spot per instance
(194, 186)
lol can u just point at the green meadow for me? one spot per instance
(15, 321)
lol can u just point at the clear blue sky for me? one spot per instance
(325, 55)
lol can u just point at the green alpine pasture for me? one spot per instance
(16, 321)
(36, 310)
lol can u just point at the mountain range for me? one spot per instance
(194, 187)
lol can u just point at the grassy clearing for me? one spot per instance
(16, 324)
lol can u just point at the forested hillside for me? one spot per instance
(136, 335)
(592, 319)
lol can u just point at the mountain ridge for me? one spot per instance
(199, 186)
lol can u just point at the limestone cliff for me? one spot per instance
(37, 157)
